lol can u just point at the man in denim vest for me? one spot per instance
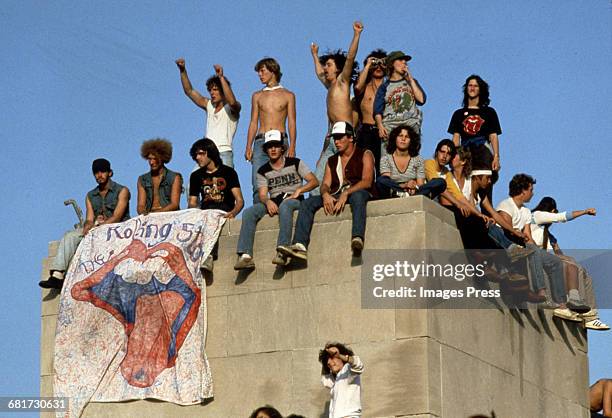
(159, 190)
(106, 204)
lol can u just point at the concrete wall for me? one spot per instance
(266, 327)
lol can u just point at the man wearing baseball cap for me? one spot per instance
(398, 97)
(107, 203)
(281, 189)
(348, 177)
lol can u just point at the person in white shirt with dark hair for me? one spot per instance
(341, 373)
(542, 217)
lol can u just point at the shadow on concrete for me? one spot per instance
(242, 276)
(544, 323)
(53, 293)
(559, 325)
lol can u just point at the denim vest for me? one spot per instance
(105, 205)
(165, 188)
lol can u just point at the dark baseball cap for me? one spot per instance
(100, 165)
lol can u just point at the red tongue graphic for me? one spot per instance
(149, 340)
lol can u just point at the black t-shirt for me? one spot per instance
(214, 189)
(473, 123)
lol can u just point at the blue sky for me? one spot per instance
(81, 80)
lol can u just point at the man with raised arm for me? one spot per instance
(366, 86)
(222, 109)
(336, 71)
(272, 108)
(106, 204)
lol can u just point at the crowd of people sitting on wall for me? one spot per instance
(370, 151)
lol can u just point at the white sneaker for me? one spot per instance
(244, 262)
(596, 325)
(566, 314)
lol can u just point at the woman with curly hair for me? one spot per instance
(159, 190)
(402, 172)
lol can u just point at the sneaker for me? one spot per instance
(208, 264)
(244, 262)
(548, 304)
(51, 283)
(566, 314)
(578, 305)
(296, 250)
(280, 259)
(357, 246)
(596, 325)
(517, 252)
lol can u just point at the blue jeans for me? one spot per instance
(66, 249)
(259, 158)
(539, 262)
(227, 157)
(358, 201)
(252, 215)
(328, 150)
(431, 189)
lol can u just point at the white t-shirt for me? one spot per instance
(221, 126)
(520, 217)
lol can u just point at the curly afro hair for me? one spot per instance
(159, 147)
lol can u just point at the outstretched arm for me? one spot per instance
(193, 94)
(228, 94)
(352, 52)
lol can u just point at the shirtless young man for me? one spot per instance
(271, 108)
(336, 72)
(365, 89)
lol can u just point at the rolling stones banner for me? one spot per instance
(132, 315)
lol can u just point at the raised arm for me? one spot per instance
(360, 84)
(291, 124)
(228, 94)
(352, 52)
(320, 73)
(193, 94)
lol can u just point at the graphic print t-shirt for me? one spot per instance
(214, 189)
(286, 180)
(473, 123)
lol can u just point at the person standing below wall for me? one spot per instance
(159, 190)
(105, 204)
(341, 373)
